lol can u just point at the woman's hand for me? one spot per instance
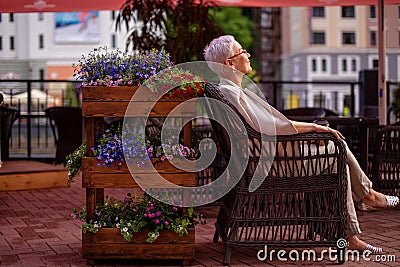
(326, 129)
(307, 127)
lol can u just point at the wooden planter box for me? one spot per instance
(95, 176)
(100, 102)
(108, 243)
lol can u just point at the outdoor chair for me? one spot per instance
(301, 200)
(315, 112)
(8, 116)
(385, 173)
(66, 124)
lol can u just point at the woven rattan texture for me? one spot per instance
(302, 200)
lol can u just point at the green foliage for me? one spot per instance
(183, 27)
(241, 27)
(71, 96)
(396, 102)
(135, 214)
(74, 162)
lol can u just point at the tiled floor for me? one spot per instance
(36, 230)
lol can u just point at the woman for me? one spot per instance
(227, 51)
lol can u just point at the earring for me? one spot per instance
(233, 71)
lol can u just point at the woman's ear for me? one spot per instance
(228, 62)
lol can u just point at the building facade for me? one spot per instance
(45, 45)
(334, 44)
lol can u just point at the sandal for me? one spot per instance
(391, 202)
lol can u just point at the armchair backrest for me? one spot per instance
(66, 123)
(284, 158)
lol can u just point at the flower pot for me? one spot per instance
(100, 102)
(104, 101)
(95, 176)
(108, 243)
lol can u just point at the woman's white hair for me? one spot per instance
(219, 49)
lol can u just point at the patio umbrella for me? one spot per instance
(37, 97)
(22, 6)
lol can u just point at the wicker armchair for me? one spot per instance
(300, 203)
(385, 173)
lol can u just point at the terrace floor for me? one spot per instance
(36, 230)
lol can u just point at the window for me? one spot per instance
(314, 65)
(375, 63)
(319, 65)
(372, 38)
(372, 12)
(354, 65)
(40, 16)
(113, 41)
(112, 15)
(323, 65)
(41, 74)
(348, 65)
(318, 12)
(318, 38)
(11, 19)
(344, 65)
(348, 12)
(12, 43)
(348, 38)
(1, 43)
(41, 41)
(0, 16)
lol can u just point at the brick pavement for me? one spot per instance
(36, 230)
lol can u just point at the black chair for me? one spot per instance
(301, 201)
(66, 124)
(307, 112)
(385, 173)
(8, 116)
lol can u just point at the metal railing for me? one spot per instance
(32, 136)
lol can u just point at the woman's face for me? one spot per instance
(239, 59)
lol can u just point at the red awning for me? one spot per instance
(22, 6)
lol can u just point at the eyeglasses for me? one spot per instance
(238, 54)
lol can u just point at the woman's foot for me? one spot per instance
(354, 243)
(378, 201)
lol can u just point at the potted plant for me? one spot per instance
(109, 79)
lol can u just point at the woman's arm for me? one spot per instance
(306, 127)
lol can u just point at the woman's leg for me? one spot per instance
(362, 186)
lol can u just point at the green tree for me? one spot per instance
(182, 27)
(232, 21)
(396, 102)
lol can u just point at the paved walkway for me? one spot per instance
(36, 230)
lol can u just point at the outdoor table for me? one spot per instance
(363, 124)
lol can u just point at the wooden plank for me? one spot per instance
(118, 180)
(28, 166)
(139, 251)
(120, 109)
(108, 243)
(33, 180)
(113, 102)
(90, 164)
(113, 236)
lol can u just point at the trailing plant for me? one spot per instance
(137, 213)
